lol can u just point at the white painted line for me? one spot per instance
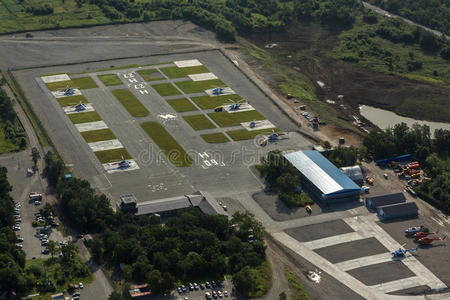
(364, 261)
(60, 94)
(73, 109)
(105, 145)
(396, 285)
(334, 240)
(114, 167)
(91, 126)
(188, 63)
(202, 76)
(438, 221)
(225, 91)
(55, 78)
(263, 124)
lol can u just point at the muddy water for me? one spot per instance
(385, 118)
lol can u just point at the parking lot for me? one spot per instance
(216, 289)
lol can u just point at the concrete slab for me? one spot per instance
(334, 240)
(263, 124)
(225, 91)
(364, 261)
(72, 109)
(115, 168)
(202, 76)
(55, 78)
(318, 231)
(60, 94)
(91, 126)
(188, 63)
(105, 145)
(243, 107)
(401, 284)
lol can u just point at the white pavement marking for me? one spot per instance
(396, 285)
(105, 145)
(263, 124)
(367, 225)
(202, 76)
(72, 109)
(364, 261)
(188, 63)
(60, 94)
(243, 107)
(55, 78)
(334, 240)
(225, 91)
(114, 167)
(91, 126)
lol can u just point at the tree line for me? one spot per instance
(11, 126)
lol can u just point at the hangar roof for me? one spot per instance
(321, 172)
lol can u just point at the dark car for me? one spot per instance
(202, 286)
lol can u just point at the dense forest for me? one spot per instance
(431, 13)
(10, 125)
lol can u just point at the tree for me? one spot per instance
(35, 155)
(327, 145)
(115, 296)
(242, 280)
(53, 248)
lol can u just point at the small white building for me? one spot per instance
(354, 172)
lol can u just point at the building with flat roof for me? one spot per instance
(374, 202)
(400, 210)
(325, 181)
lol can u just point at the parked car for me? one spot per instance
(225, 293)
(45, 251)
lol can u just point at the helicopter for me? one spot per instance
(124, 164)
(422, 234)
(69, 91)
(253, 124)
(218, 91)
(401, 252)
(428, 241)
(235, 105)
(271, 138)
(80, 107)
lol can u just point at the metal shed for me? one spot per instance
(394, 211)
(386, 199)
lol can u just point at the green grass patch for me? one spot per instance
(214, 138)
(174, 152)
(199, 122)
(261, 278)
(131, 103)
(243, 134)
(150, 75)
(207, 102)
(71, 100)
(98, 135)
(166, 89)
(175, 72)
(110, 79)
(299, 292)
(181, 105)
(6, 145)
(84, 117)
(190, 87)
(108, 156)
(76, 83)
(225, 119)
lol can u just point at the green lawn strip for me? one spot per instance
(207, 102)
(181, 105)
(150, 75)
(71, 100)
(75, 83)
(213, 138)
(174, 152)
(108, 156)
(84, 117)
(261, 278)
(199, 122)
(131, 103)
(110, 79)
(98, 135)
(166, 89)
(175, 72)
(243, 134)
(299, 291)
(190, 87)
(225, 119)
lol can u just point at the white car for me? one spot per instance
(80, 285)
(412, 230)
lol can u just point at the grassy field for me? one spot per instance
(261, 277)
(131, 103)
(181, 105)
(207, 102)
(243, 134)
(190, 87)
(108, 156)
(225, 119)
(71, 100)
(174, 152)
(150, 75)
(175, 72)
(90, 116)
(5, 145)
(199, 122)
(166, 89)
(110, 79)
(214, 138)
(98, 135)
(76, 83)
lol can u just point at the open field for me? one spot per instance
(84, 117)
(110, 79)
(150, 75)
(207, 102)
(190, 87)
(131, 103)
(174, 152)
(166, 89)
(113, 155)
(98, 135)
(181, 105)
(240, 135)
(214, 138)
(199, 122)
(76, 83)
(225, 119)
(176, 72)
(72, 100)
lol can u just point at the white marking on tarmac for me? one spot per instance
(71, 109)
(60, 94)
(55, 78)
(167, 116)
(263, 124)
(438, 221)
(188, 63)
(334, 240)
(396, 285)
(243, 107)
(225, 91)
(105, 145)
(364, 261)
(89, 126)
(202, 76)
(114, 167)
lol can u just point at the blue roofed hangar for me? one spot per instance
(323, 178)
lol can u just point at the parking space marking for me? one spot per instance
(397, 285)
(334, 240)
(364, 261)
